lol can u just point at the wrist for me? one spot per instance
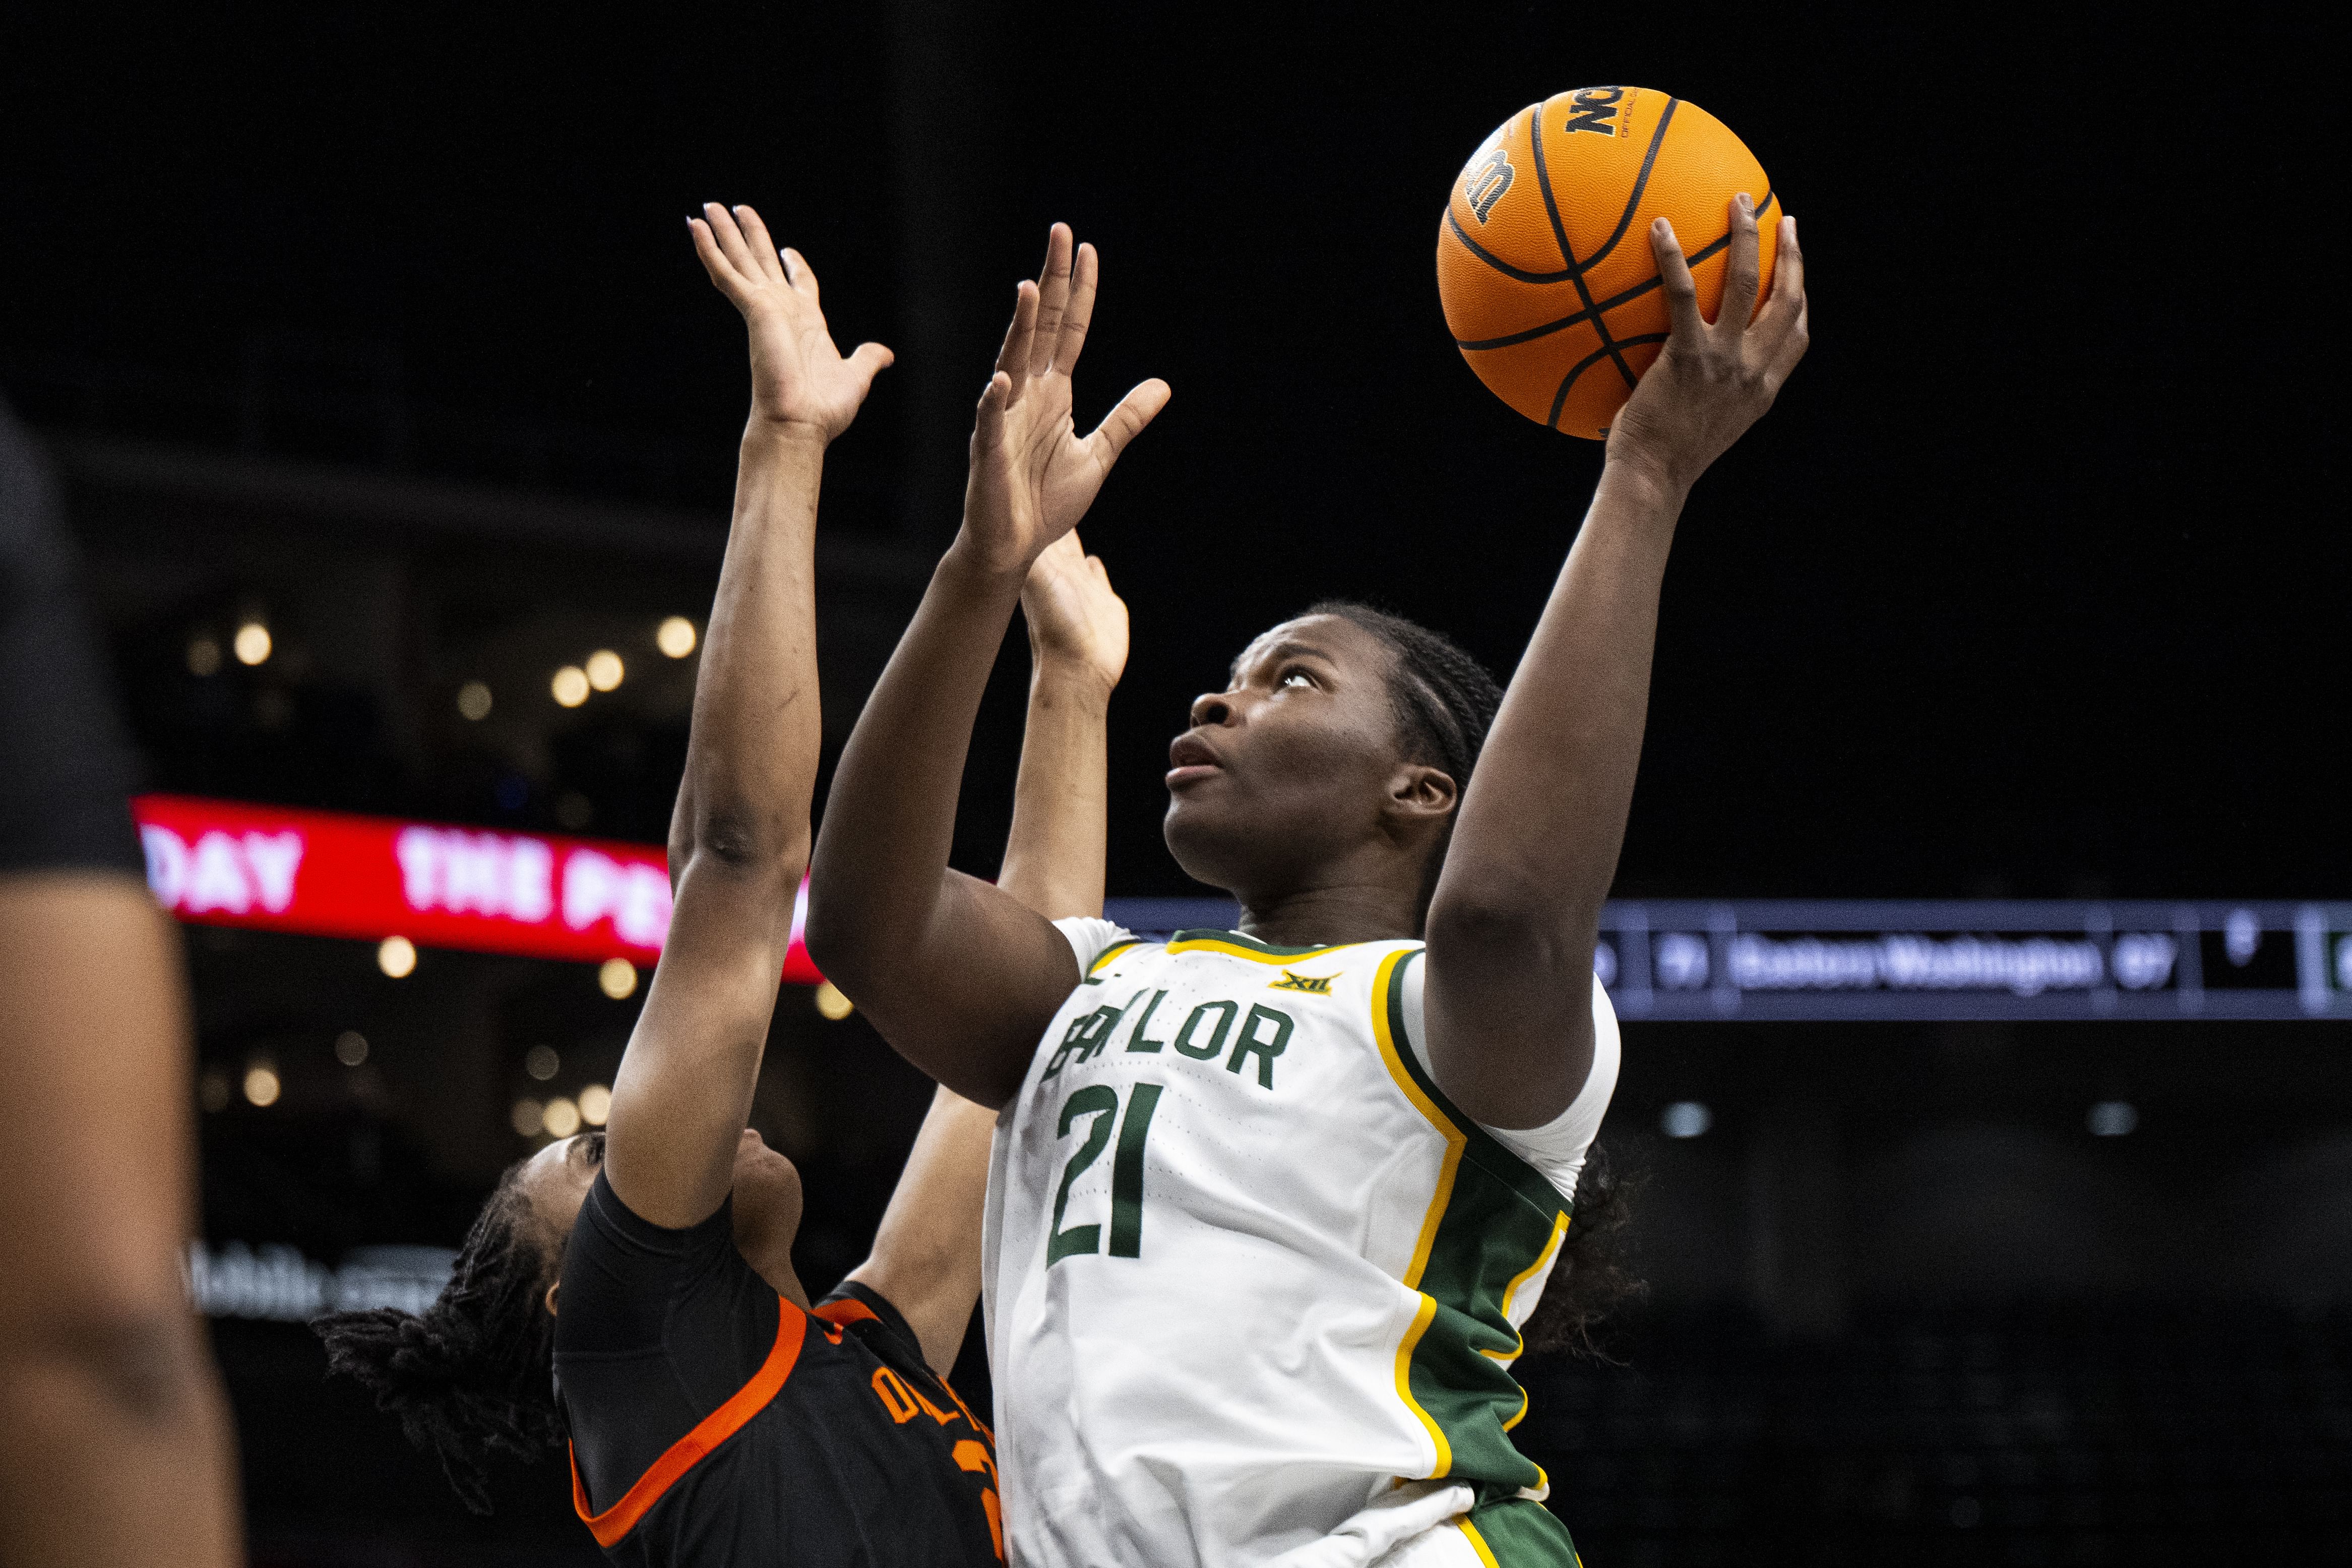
(970, 569)
(1069, 677)
(768, 433)
(1645, 476)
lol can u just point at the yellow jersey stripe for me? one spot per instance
(1421, 1318)
(1214, 944)
(1478, 1544)
(1455, 1140)
(1455, 1144)
(1113, 951)
(1511, 1291)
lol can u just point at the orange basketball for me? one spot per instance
(1543, 258)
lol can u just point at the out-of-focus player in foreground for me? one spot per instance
(1270, 1207)
(114, 1440)
(715, 1416)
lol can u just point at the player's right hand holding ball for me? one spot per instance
(1712, 380)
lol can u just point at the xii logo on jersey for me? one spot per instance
(1488, 181)
(1595, 108)
(1316, 985)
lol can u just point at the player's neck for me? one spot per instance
(1330, 914)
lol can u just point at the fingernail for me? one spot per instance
(1746, 205)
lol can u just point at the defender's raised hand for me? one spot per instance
(1033, 476)
(1713, 381)
(800, 381)
(1076, 618)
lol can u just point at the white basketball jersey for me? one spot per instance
(1248, 1268)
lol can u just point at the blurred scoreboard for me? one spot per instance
(1976, 959)
(1825, 959)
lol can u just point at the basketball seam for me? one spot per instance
(1703, 254)
(1640, 181)
(1497, 262)
(1560, 398)
(1559, 233)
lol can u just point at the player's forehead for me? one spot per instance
(1331, 638)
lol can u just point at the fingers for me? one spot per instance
(1125, 423)
(1738, 307)
(797, 272)
(1791, 346)
(1787, 295)
(1054, 297)
(762, 249)
(988, 425)
(1675, 277)
(1012, 359)
(1079, 311)
(731, 243)
(723, 275)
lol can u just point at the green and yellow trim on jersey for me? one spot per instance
(1515, 1532)
(1234, 944)
(1102, 958)
(1493, 1222)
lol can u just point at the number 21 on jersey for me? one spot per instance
(1097, 1104)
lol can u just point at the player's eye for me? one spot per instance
(1297, 678)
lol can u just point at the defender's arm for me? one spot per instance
(926, 1257)
(739, 841)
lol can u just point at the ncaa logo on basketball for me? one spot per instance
(1595, 108)
(1488, 181)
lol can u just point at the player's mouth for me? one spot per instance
(1192, 758)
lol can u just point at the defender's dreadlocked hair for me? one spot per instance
(1593, 1276)
(473, 1375)
(1445, 701)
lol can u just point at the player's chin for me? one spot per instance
(1206, 832)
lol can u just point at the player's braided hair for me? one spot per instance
(473, 1375)
(1444, 700)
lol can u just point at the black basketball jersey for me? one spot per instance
(713, 1422)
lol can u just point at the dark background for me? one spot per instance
(387, 325)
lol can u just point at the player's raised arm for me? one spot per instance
(959, 976)
(926, 1257)
(1512, 924)
(739, 838)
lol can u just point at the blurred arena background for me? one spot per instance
(384, 389)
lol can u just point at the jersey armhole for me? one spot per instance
(1091, 940)
(612, 1526)
(1557, 1148)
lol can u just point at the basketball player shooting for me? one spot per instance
(1271, 1208)
(633, 1291)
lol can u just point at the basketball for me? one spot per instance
(1543, 258)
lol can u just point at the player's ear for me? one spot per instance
(1417, 790)
(551, 1289)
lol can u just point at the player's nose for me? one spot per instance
(1213, 710)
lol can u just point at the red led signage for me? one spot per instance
(331, 873)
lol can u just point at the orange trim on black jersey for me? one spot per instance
(844, 1311)
(615, 1522)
